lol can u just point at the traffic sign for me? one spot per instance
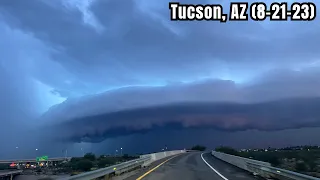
(42, 158)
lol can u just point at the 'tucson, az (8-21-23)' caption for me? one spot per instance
(243, 11)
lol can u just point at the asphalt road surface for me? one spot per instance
(192, 166)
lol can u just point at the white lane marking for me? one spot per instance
(213, 168)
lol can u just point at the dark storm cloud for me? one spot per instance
(222, 105)
(276, 84)
(276, 115)
(211, 138)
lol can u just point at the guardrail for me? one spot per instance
(261, 168)
(144, 160)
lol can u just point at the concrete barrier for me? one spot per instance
(238, 161)
(160, 155)
(263, 169)
(118, 169)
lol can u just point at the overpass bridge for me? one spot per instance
(180, 164)
(9, 175)
(55, 159)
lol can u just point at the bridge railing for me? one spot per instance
(144, 160)
(261, 168)
(160, 155)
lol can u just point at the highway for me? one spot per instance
(33, 160)
(192, 166)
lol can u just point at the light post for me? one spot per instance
(116, 152)
(66, 154)
(82, 152)
(37, 155)
(17, 151)
(121, 151)
(18, 165)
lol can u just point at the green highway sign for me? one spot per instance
(42, 158)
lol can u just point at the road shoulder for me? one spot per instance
(229, 171)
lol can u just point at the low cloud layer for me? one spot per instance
(274, 85)
(269, 116)
(278, 100)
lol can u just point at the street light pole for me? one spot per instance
(37, 155)
(17, 151)
(82, 152)
(121, 151)
(66, 154)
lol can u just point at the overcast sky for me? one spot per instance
(65, 60)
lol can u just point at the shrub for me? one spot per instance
(84, 165)
(198, 148)
(227, 150)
